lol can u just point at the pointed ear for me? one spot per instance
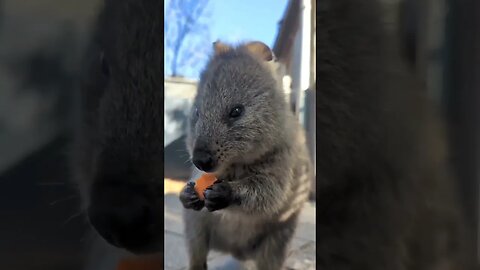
(219, 47)
(260, 50)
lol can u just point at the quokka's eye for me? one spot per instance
(236, 112)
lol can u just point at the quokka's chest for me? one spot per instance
(234, 232)
(240, 171)
(236, 172)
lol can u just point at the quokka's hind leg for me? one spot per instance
(272, 252)
(196, 233)
(198, 252)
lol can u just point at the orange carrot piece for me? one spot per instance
(202, 183)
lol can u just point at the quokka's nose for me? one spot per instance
(124, 226)
(204, 160)
(123, 217)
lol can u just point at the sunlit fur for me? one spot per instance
(118, 135)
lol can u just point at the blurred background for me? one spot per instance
(41, 42)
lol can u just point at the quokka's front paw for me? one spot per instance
(218, 196)
(190, 199)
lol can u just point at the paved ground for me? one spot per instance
(301, 255)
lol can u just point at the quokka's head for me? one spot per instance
(123, 114)
(239, 111)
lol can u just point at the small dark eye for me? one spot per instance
(105, 67)
(236, 112)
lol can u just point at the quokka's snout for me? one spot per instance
(125, 203)
(124, 214)
(204, 157)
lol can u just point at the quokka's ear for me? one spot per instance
(219, 47)
(260, 50)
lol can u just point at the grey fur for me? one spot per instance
(262, 156)
(385, 196)
(118, 135)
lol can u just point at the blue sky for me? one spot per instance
(241, 20)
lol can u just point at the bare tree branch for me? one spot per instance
(186, 22)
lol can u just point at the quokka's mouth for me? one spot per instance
(205, 161)
(124, 214)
